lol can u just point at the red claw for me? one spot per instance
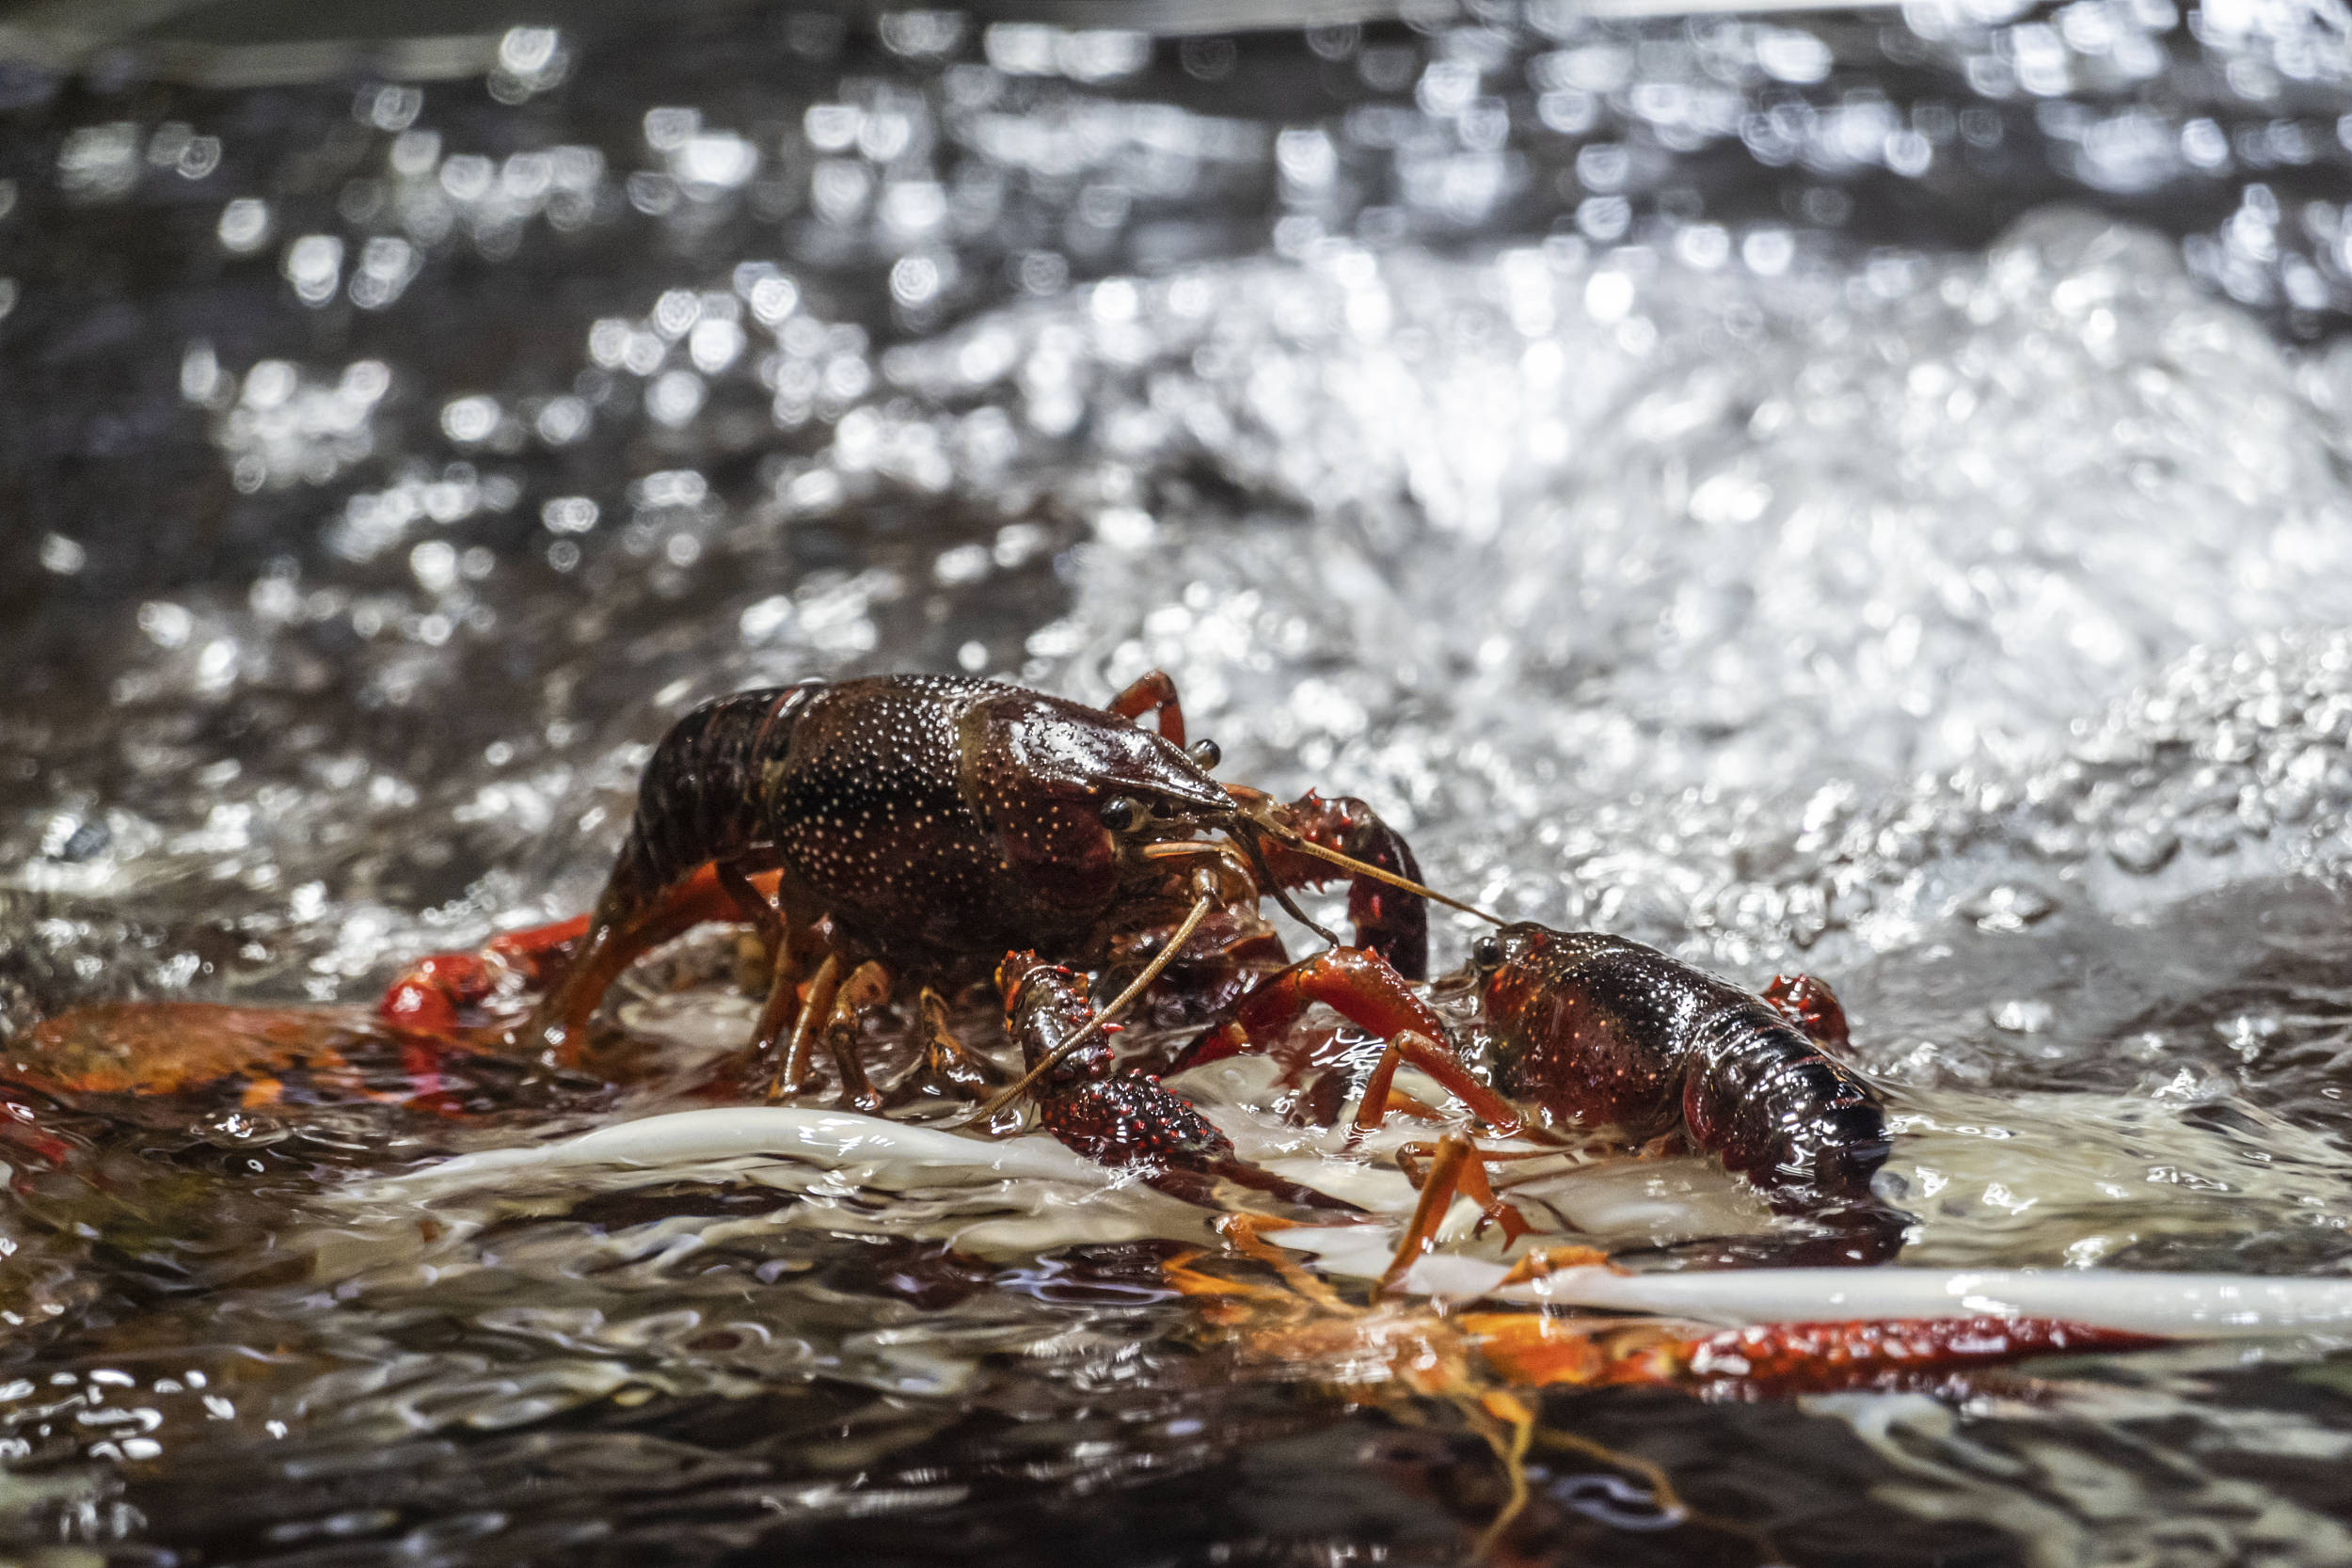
(432, 994)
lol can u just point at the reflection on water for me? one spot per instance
(1687, 473)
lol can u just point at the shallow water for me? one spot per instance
(1867, 494)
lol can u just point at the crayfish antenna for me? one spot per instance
(1273, 884)
(1257, 809)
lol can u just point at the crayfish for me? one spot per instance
(1579, 1028)
(928, 827)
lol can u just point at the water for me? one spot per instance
(1865, 493)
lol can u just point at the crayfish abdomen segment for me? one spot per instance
(699, 800)
(1779, 1112)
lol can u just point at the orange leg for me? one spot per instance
(1156, 690)
(948, 1055)
(1359, 985)
(431, 994)
(948, 1068)
(1457, 1168)
(752, 905)
(613, 941)
(868, 986)
(782, 1010)
(1411, 1045)
(1437, 1195)
(816, 1007)
(1363, 987)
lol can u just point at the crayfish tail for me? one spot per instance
(700, 798)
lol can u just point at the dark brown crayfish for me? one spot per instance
(926, 825)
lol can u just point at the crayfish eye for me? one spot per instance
(1120, 813)
(1486, 952)
(1205, 754)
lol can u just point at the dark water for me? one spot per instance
(1865, 489)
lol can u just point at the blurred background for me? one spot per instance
(1862, 486)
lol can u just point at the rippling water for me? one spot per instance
(1866, 492)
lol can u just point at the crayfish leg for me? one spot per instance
(1154, 690)
(867, 987)
(755, 906)
(1231, 953)
(780, 1010)
(622, 931)
(1361, 986)
(1427, 1053)
(1457, 1168)
(814, 1010)
(1366, 989)
(948, 1068)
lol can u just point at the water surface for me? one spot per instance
(1865, 492)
